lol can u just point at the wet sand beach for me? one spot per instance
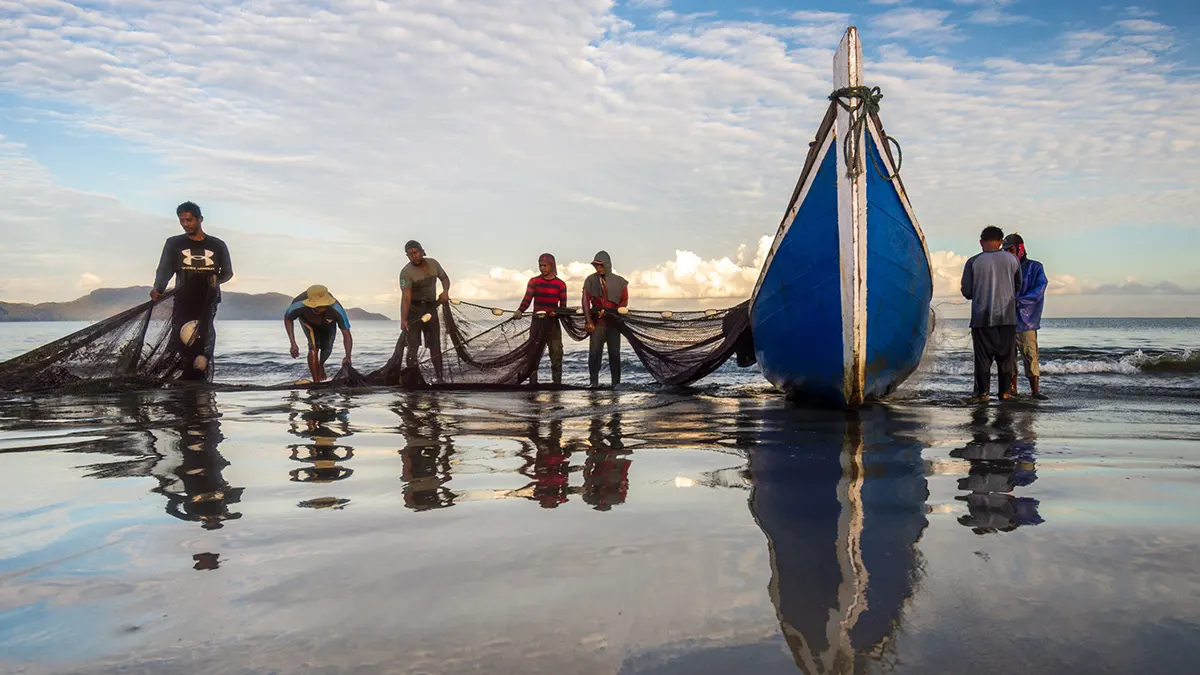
(596, 532)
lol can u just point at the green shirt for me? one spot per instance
(423, 281)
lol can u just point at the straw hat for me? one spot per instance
(318, 296)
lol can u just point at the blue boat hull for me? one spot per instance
(801, 316)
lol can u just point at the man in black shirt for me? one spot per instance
(200, 264)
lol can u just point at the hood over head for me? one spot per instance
(604, 259)
(609, 285)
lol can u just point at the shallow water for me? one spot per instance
(709, 531)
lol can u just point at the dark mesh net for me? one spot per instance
(142, 346)
(479, 345)
(462, 345)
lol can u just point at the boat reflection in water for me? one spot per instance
(842, 503)
(1003, 457)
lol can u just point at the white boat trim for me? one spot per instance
(852, 228)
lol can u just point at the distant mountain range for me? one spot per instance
(105, 302)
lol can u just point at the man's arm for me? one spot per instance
(624, 297)
(588, 324)
(1040, 283)
(968, 280)
(405, 303)
(445, 296)
(528, 297)
(226, 265)
(289, 318)
(562, 295)
(163, 274)
(348, 343)
(288, 326)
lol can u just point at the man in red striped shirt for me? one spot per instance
(548, 294)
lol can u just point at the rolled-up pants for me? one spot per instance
(994, 344)
(605, 334)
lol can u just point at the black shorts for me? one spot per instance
(417, 329)
(320, 338)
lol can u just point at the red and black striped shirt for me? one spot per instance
(545, 294)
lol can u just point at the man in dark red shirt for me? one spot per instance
(603, 294)
(548, 294)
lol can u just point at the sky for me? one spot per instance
(319, 136)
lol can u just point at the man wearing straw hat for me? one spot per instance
(320, 315)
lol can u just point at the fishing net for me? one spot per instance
(168, 339)
(469, 345)
(480, 345)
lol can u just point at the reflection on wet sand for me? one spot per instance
(189, 472)
(547, 463)
(325, 453)
(748, 536)
(426, 456)
(842, 505)
(606, 470)
(1002, 455)
(325, 427)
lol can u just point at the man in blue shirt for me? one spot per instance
(1031, 297)
(320, 316)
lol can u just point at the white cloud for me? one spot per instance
(1063, 284)
(686, 277)
(947, 273)
(992, 16)
(916, 25)
(821, 17)
(510, 128)
(992, 12)
(1143, 26)
(88, 282)
(1140, 12)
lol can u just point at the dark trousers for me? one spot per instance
(553, 330)
(994, 344)
(605, 335)
(198, 307)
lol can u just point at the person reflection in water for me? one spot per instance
(189, 473)
(325, 426)
(606, 469)
(1002, 457)
(548, 465)
(425, 459)
(842, 506)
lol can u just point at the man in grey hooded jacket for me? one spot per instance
(603, 294)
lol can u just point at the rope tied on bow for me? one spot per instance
(862, 102)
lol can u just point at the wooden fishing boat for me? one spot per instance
(840, 313)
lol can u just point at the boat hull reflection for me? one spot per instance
(843, 507)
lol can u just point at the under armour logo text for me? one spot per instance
(205, 260)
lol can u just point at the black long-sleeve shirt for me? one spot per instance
(188, 260)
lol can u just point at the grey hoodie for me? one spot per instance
(614, 283)
(990, 281)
